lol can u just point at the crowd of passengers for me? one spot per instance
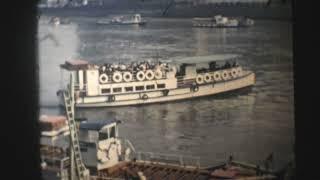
(142, 66)
(133, 67)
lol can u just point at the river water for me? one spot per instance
(249, 125)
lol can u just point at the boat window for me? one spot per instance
(92, 136)
(128, 89)
(85, 145)
(105, 91)
(161, 85)
(139, 88)
(103, 136)
(112, 132)
(150, 86)
(116, 90)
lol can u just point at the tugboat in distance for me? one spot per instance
(220, 21)
(122, 20)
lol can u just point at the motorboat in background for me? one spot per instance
(123, 20)
(220, 21)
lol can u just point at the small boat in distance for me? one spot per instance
(151, 82)
(59, 21)
(122, 20)
(219, 21)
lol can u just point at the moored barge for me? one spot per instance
(105, 155)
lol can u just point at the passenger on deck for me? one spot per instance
(227, 65)
(147, 65)
(213, 65)
(258, 171)
(230, 160)
(269, 162)
(234, 64)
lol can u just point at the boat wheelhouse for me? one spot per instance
(147, 82)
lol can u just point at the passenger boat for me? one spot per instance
(122, 20)
(157, 82)
(222, 22)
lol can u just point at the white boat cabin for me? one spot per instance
(93, 80)
(99, 143)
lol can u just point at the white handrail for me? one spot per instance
(174, 159)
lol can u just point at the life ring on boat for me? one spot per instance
(144, 97)
(239, 71)
(140, 76)
(158, 74)
(199, 79)
(217, 76)
(165, 92)
(117, 77)
(194, 88)
(103, 78)
(234, 73)
(127, 76)
(225, 75)
(207, 78)
(149, 74)
(111, 98)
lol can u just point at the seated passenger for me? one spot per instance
(212, 65)
(234, 64)
(227, 65)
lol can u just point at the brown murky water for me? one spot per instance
(248, 124)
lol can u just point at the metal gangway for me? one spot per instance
(82, 173)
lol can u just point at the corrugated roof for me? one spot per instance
(52, 118)
(77, 62)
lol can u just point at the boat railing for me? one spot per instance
(127, 145)
(104, 177)
(65, 163)
(56, 164)
(169, 159)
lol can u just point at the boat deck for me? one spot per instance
(153, 171)
(157, 171)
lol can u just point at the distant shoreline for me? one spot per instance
(283, 13)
